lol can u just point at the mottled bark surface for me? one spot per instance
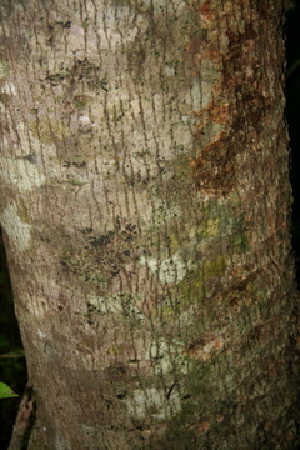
(145, 205)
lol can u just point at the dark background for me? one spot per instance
(12, 366)
(292, 93)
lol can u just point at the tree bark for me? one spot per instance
(145, 206)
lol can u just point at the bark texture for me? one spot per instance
(145, 205)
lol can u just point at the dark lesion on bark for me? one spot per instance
(24, 421)
(214, 169)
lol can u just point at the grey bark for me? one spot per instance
(145, 205)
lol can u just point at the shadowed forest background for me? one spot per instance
(12, 361)
(293, 119)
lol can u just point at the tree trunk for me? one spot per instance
(145, 206)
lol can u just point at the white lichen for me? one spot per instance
(117, 304)
(18, 231)
(21, 173)
(9, 89)
(170, 270)
(153, 402)
(167, 356)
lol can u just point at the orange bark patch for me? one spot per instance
(202, 347)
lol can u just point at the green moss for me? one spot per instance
(23, 213)
(4, 70)
(240, 242)
(74, 182)
(183, 168)
(116, 350)
(81, 101)
(190, 289)
(210, 227)
(215, 267)
(5, 98)
(174, 242)
(47, 131)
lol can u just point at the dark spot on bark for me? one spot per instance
(86, 231)
(31, 158)
(121, 396)
(62, 24)
(102, 240)
(250, 33)
(79, 164)
(116, 373)
(90, 307)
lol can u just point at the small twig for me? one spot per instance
(14, 354)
